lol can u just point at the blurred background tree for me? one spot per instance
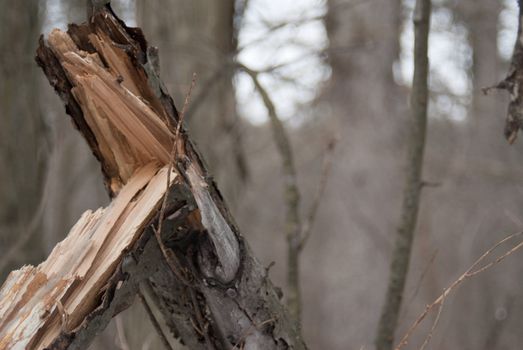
(334, 68)
(23, 138)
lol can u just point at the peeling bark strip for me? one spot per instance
(219, 296)
(513, 83)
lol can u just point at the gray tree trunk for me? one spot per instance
(416, 135)
(23, 148)
(367, 109)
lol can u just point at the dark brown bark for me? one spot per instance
(220, 296)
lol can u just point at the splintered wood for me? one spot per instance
(37, 303)
(129, 132)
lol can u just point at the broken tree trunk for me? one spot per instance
(210, 290)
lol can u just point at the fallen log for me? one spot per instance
(199, 271)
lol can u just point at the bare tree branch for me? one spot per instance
(416, 136)
(471, 272)
(169, 256)
(156, 325)
(292, 198)
(326, 169)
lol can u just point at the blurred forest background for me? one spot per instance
(335, 69)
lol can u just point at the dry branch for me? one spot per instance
(313, 210)
(104, 72)
(297, 233)
(293, 225)
(471, 272)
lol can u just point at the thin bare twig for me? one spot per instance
(433, 328)
(174, 150)
(471, 272)
(297, 235)
(292, 197)
(326, 169)
(225, 71)
(276, 26)
(423, 274)
(250, 330)
(169, 256)
(122, 338)
(202, 324)
(208, 85)
(419, 283)
(156, 325)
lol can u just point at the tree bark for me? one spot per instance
(416, 136)
(215, 294)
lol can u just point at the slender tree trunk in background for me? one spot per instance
(364, 106)
(199, 37)
(22, 135)
(356, 33)
(291, 193)
(417, 129)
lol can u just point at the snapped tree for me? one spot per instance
(167, 233)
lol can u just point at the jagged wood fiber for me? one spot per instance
(219, 297)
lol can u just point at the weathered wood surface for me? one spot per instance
(36, 303)
(212, 293)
